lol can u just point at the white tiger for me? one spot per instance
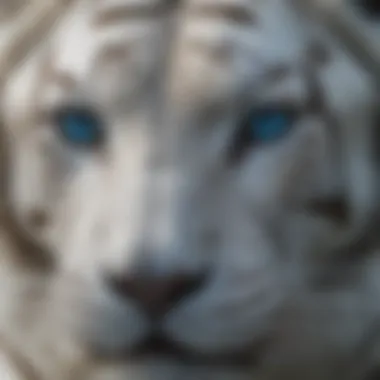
(182, 187)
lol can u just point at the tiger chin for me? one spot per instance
(188, 193)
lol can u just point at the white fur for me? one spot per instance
(161, 184)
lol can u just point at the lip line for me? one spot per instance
(160, 347)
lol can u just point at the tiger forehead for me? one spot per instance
(212, 47)
(126, 24)
(238, 11)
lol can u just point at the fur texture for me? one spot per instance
(170, 191)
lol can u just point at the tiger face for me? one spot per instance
(184, 169)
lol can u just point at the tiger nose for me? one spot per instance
(155, 294)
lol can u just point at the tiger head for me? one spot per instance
(183, 168)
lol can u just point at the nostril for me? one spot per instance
(155, 294)
(334, 208)
(184, 286)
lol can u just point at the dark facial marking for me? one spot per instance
(111, 54)
(122, 13)
(234, 13)
(335, 209)
(38, 219)
(371, 9)
(318, 54)
(277, 74)
(221, 54)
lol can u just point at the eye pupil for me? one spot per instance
(262, 126)
(79, 126)
(267, 126)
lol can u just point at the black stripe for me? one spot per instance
(122, 13)
(234, 13)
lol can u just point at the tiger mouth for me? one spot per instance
(158, 346)
(161, 346)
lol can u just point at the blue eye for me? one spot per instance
(262, 126)
(80, 126)
(269, 126)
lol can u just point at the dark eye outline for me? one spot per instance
(244, 140)
(85, 114)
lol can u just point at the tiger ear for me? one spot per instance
(26, 31)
